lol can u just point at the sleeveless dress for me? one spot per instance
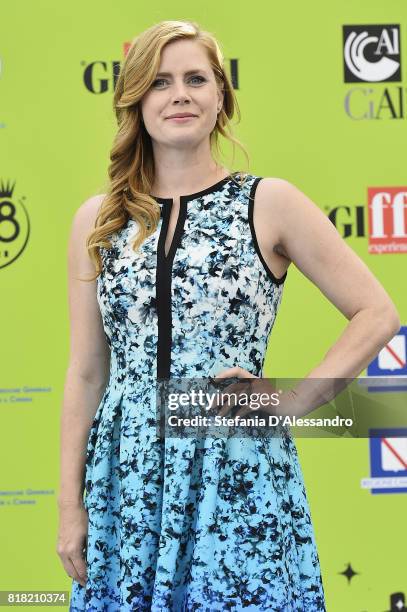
(181, 525)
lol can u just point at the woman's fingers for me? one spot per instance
(226, 402)
(71, 569)
(238, 388)
(79, 564)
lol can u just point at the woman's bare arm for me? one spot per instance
(309, 239)
(89, 359)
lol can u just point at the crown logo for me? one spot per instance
(6, 190)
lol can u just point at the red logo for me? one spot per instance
(387, 219)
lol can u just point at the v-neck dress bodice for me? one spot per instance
(179, 525)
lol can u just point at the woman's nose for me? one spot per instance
(180, 93)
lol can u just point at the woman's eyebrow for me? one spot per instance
(186, 73)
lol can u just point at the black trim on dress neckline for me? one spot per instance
(163, 286)
(197, 194)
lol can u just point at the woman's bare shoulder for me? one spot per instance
(270, 197)
(274, 185)
(83, 223)
(272, 189)
(287, 203)
(87, 212)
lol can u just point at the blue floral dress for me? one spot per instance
(178, 525)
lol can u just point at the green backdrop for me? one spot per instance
(56, 134)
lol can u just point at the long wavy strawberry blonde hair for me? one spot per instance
(131, 171)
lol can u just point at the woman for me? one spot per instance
(192, 264)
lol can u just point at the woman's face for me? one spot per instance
(185, 83)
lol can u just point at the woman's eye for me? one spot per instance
(199, 77)
(158, 81)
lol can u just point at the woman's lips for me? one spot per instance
(181, 119)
